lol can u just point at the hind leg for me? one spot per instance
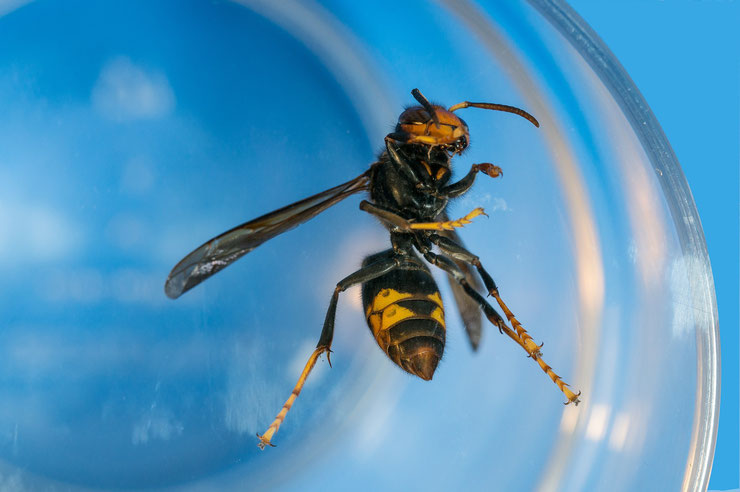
(456, 251)
(527, 344)
(362, 275)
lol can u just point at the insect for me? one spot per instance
(409, 189)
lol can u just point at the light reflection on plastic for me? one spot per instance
(598, 422)
(618, 435)
(88, 285)
(35, 233)
(568, 422)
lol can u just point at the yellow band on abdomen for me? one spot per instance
(385, 312)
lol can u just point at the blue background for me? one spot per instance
(684, 56)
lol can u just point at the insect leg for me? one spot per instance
(462, 186)
(448, 225)
(520, 336)
(456, 251)
(362, 275)
(456, 273)
(401, 164)
(401, 224)
(386, 215)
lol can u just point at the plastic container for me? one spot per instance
(134, 132)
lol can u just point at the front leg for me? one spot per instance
(403, 167)
(462, 186)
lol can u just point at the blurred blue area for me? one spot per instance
(117, 143)
(683, 57)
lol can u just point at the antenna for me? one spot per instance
(495, 107)
(427, 105)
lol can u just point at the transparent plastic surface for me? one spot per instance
(133, 132)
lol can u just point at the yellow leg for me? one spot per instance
(529, 345)
(449, 225)
(525, 341)
(518, 334)
(275, 425)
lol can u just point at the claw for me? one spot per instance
(538, 353)
(575, 401)
(490, 169)
(275, 425)
(264, 442)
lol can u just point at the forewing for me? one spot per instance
(469, 309)
(223, 250)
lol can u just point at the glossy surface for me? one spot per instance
(669, 66)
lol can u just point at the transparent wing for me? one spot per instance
(469, 310)
(223, 250)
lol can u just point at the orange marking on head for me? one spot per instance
(416, 122)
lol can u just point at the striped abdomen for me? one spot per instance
(405, 314)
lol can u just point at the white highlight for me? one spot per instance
(618, 436)
(12, 483)
(498, 203)
(375, 427)
(35, 233)
(298, 362)
(568, 422)
(489, 202)
(251, 401)
(596, 428)
(126, 92)
(682, 270)
(155, 424)
(6, 7)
